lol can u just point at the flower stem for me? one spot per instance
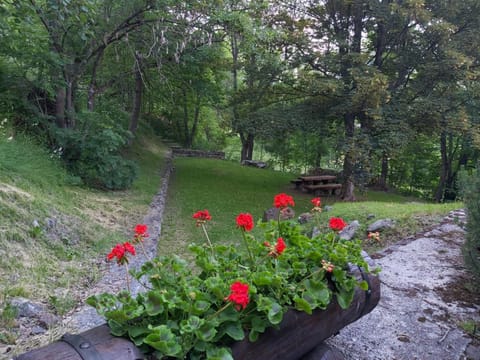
(208, 239)
(127, 277)
(147, 258)
(248, 247)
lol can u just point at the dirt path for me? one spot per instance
(423, 303)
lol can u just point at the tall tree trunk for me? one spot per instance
(196, 119)
(382, 181)
(247, 146)
(137, 102)
(443, 168)
(349, 160)
(60, 99)
(186, 138)
(70, 110)
(92, 87)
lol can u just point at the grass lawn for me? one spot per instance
(227, 189)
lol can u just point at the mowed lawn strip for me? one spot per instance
(226, 189)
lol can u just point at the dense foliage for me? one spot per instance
(471, 248)
(386, 91)
(230, 295)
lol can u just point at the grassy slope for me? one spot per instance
(226, 189)
(45, 264)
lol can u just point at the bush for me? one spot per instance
(92, 152)
(471, 248)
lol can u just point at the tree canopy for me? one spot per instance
(386, 92)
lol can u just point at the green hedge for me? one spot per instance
(471, 248)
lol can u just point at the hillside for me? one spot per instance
(54, 233)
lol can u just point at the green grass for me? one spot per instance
(46, 264)
(227, 189)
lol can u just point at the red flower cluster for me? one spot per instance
(239, 295)
(119, 252)
(277, 249)
(337, 224)
(140, 233)
(317, 202)
(283, 200)
(202, 216)
(245, 221)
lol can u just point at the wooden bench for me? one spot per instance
(320, 189)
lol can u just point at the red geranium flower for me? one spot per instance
(245, 221)
(283, 200)
(239, 295)
(119, 252)
(280, 246)
(277, 249)
(317, 202)
(140, 233)
(202, 216)
(337, 224)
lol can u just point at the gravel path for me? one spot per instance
(423, 302)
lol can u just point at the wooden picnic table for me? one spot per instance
(318, 184)
(318, 179)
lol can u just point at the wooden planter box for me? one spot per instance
(300, 336)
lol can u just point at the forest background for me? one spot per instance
(386, 92)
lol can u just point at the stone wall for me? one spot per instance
(198, 153)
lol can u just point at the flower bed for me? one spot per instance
(231, 296)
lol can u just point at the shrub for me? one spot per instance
(92, 151)
(471, 248)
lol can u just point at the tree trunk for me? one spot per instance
(60, 108)
(137, 102)
(186, 137)
(92, 88)
(443, 168)
(70, 113)
(348, 186)
(247, 147)
(382, 181)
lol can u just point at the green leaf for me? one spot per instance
(192, 324)
(345, 298)
(275, 314)
(163, 340)
(262, 278)
(303, 305)
(201, 306)
(363, 285)
(207, 332)
(235, 331)
(219, 353)
(116, 328)
(154, 304)
(318, 291)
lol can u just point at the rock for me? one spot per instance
(349, 231)
(47, 320)
(381, 224)
(370, 216)
(50, 223)
(37, 330)
(305, 218)
(255, 163)
(327, 208)
(272, 214)
(26, 308)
